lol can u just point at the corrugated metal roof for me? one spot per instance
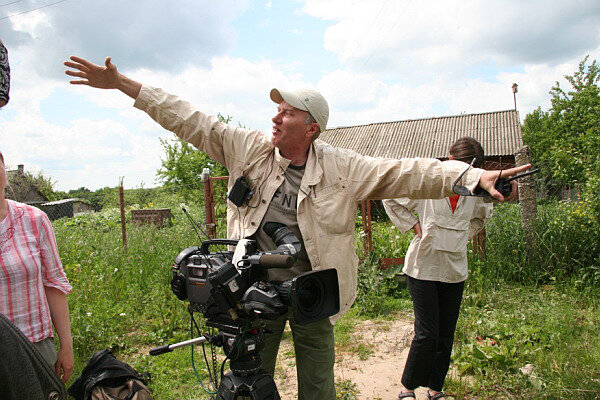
(499, 133)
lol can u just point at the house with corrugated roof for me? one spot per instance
(499, 132)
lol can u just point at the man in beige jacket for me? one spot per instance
(311, 185)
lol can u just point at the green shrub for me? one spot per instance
(566, 245)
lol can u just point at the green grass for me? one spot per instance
(517, 310)
(551, 328)
(346, 390)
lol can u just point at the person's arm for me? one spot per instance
(56, 287)
(401, 214)
(416, 178)
(59, 311)
(102, 77)
(417, 230)
(482, 212)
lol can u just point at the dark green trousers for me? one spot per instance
(315, 355)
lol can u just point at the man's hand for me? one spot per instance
(107, 77)
(488, 180)
(93, 75)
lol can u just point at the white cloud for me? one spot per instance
(94, 152)
(397, 60)
(433, 35)
(156, 34)
(408, 59)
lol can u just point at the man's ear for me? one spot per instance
(451, 157)
(313, 131)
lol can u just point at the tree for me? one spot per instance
(566, 139)
(95, 198)
(183, 164)
(22, 184)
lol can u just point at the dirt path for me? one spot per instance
(377, 376)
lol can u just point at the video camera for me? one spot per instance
(230, 289)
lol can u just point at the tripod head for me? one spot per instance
(242, 348)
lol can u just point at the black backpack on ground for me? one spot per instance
(105, 377)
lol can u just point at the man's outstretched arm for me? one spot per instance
(106, 77)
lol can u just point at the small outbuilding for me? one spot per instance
(66, 208)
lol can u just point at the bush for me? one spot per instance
(567, 245)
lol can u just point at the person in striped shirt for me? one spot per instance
(33, 284)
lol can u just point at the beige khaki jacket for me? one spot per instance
(334, 181)
(441, 252)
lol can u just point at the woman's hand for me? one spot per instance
(64, 363)
(59, 312)
(417, 229)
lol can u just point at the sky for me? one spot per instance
(373, 60)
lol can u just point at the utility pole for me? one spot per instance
(515, 89)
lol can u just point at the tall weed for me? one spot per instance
(566, 244)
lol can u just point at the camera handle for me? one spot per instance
(204, 249)
(170, 347)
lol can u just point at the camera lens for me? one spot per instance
(309, 294)
(313, 295)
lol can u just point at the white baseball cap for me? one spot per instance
(306, 100)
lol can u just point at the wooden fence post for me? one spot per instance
(209, 205)
(527, 197)
(367, 229)
(123, 226)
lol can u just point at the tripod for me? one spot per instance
(246, 380)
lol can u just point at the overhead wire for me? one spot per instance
(28, 11)
(12, 2)
(368, 30)
(387, 34)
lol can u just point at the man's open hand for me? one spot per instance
(488, 180)
(106, 77)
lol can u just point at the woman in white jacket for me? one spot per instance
(436, 269)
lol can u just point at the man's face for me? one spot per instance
(290, 130)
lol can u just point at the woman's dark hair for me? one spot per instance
(466, 149)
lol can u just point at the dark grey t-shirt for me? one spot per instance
(283, 209)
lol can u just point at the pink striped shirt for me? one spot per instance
(29, 261)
